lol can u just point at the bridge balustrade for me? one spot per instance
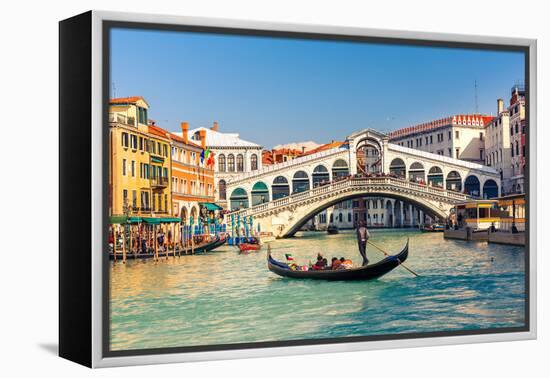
(353, 183)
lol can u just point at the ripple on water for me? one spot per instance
(223, 297)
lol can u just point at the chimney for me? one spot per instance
(185, 131)
(500, 106)
(214, 127)
(303, 149)
(202, 136)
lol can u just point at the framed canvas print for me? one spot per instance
(232, 189)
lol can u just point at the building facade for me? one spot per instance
(497, 146)
(518, 127)
(192, 177)
(376, 212)
(233, 157)
(459, 136)
(139, 164)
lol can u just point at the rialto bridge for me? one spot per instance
(283, 197)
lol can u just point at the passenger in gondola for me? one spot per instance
(345, 264)
(320, 264)
(335, 263)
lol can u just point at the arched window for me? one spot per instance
(320, 176)
(221, 163)
(435, 177)
(490, 189)
(300, 182)
(230, 163)
(454, 181)
(260, 193)
(254, 162)
(472, 186)
(239, 199)
(240, 163)
(339, 169)
(416, 172)
(280, 187)
(222, 187)
(397, 167)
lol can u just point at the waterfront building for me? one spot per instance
(192, 177)
(459, 136)
(497, 146)
(376, 212)
(234, 157)
(517, 138)
(139, 164)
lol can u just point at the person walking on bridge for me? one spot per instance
(362, 237)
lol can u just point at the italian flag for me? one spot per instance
(289, 257)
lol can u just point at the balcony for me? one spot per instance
(159, 182)
(121, 118)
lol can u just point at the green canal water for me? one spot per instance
(222, 297)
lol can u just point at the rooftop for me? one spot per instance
(473, 120)
(218, 139)
(126, 100)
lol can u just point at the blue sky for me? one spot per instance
(276, 90)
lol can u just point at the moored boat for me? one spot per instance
(368, 272)
(332, 229)
(199, 248)
(435, 227)
(249, 247)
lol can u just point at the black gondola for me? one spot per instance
(198, 249)
(332, 229)
(368, 272)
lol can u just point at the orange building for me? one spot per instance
(192, 177)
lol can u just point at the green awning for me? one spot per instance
(155, 159)
(135, 219)
(210, 206)
(170, 220)
(151, 220)
(160, 220)
(118, 219)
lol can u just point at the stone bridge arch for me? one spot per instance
(299, 216)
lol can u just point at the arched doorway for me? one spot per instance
(320, 176)
(340, 169)
(454, 181)
(435, 177)
(471, 186)
(222, 189)
(369, 156)
(490, 189)
(260, 193)
(300, 182)
(194, 216)
(238, 199)
(280, 187)
(417, 173)
(398, 168)
(183, 215)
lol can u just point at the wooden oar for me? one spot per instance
(387, 254)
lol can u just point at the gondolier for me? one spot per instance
(362, 237)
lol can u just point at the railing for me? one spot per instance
(159, 182)
(268, 169)
(356, 184)
(440, 158)
(121, 118)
